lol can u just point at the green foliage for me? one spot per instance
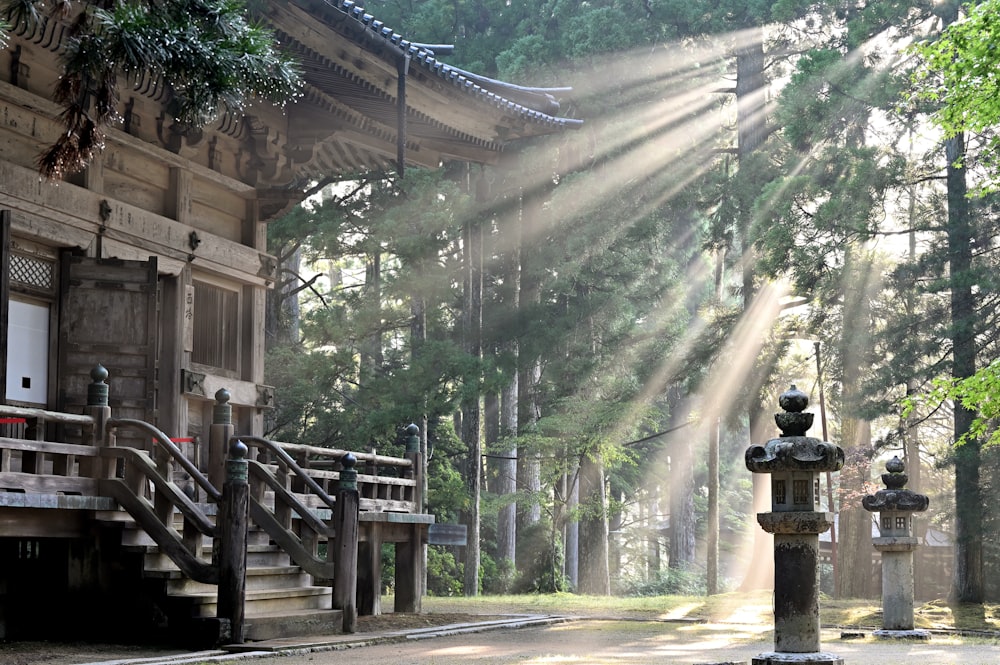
(447, 492)
(960, 73)
(541, 557)
(670, 582)
(496, 576)
(210, 54)
(444, 574)
(979, 393)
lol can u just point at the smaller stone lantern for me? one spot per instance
(895, 506)
(795, 461)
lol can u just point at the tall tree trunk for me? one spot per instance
(682, 518)
(653, 519)
(855, 532)
(371, 346)
(594, 576)
(615, 521)
(471, 413)
(529, 464)
(854, 536)
(967, 582)
(714, 423)
(751, 128)
(509, 395)
(491, 435)
(507, 473)
(911, 432)
(571, 484)
(712, 536)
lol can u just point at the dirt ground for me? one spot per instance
(72, 653)
(585, 641)
(637, 642)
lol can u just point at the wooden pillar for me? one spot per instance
(370, 572)
(232, 522)
(220, 432)
(345, 576)
(410, 554)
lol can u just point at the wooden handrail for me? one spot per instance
(47, 416)
(171, 448)
(163, 535)
(334, 454)
(260, 471)
(141, 462)
(287, 460)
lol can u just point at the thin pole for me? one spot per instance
(829, 476)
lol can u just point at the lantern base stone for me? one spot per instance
(815, 658)
(916, 635)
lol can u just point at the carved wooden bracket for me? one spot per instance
(193, 382)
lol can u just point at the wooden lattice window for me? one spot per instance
(216, 326)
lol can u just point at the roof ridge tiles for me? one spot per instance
(469, 81)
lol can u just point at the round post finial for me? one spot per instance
(238, 450)
(348, 474)
(97, 390)
(236, 465)
(222, 412)
(413, 438)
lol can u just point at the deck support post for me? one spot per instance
(345, 581)
(232, 520)
(370, 572)
(410, 555)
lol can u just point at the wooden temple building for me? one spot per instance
(141, 282)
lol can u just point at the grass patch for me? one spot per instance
(752, 608)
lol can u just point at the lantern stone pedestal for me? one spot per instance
(795, 462)
(895, 506)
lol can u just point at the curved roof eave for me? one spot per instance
(534, 105)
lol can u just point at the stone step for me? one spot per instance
(265, 602)
(258, 555)
(268, 577)
(294, 623)
(136, 536)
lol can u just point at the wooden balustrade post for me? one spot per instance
(345, 522)
(220, 432)
(98, 409)
(232, 522)
(410, 555)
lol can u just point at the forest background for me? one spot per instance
(592, 332)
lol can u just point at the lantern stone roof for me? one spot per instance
(356, 71)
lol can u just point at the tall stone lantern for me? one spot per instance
(896, 542)
(795, 462)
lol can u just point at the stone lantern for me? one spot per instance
(795, 461)
(895, 506)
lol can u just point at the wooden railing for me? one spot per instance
(313, 470)
(292, 481)
(135, 476)
(31, 464)
(293, 488)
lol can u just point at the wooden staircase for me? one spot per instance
(282, 600)
(146, 553)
